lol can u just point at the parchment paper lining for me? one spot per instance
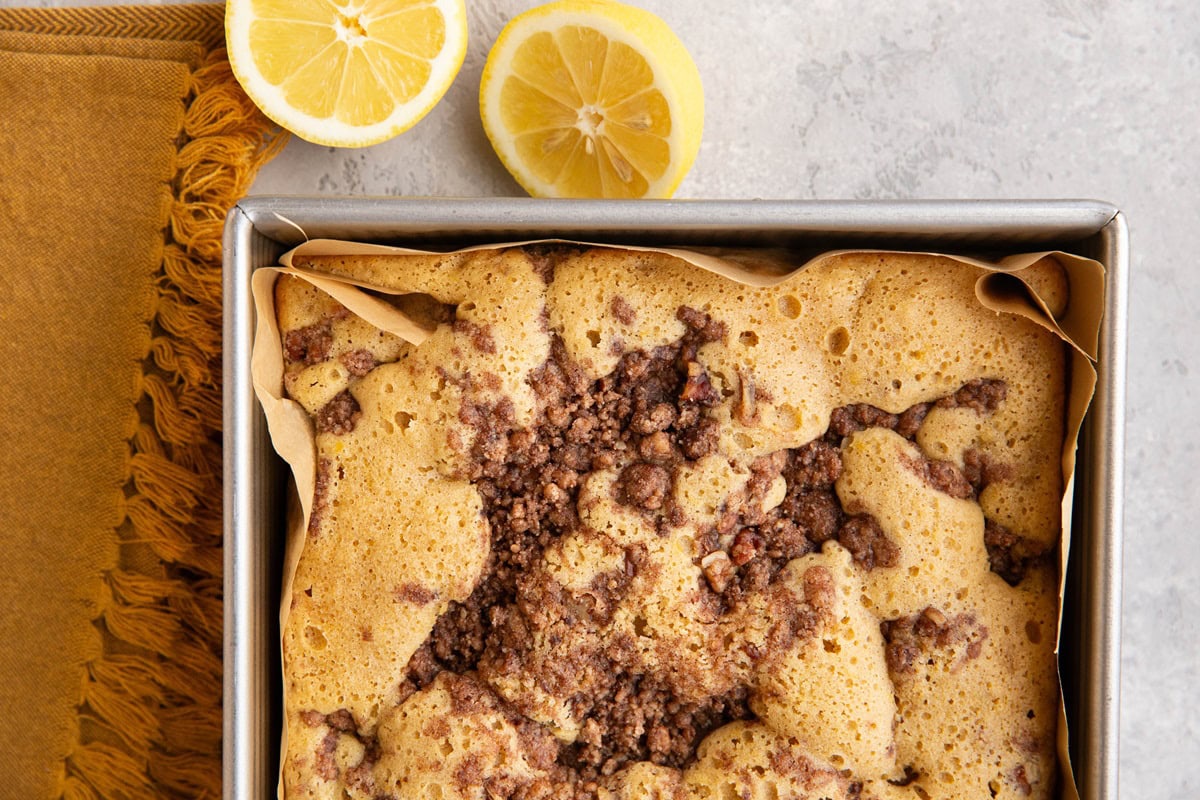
(293, 437)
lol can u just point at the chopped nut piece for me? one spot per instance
(656, 447)
(718, 570)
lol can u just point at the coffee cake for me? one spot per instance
(620, 527)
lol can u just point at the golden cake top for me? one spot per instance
(621, 526)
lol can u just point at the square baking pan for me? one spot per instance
(259, 229)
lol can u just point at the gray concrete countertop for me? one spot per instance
(833, 99)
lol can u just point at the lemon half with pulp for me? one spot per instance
(346, 72)
(592, 98)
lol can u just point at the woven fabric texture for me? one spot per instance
(124, 140)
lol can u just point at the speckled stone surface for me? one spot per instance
(837, 99)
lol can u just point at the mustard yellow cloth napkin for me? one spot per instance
(124, 139)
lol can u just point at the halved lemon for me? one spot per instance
(592, 98)
(346, 73)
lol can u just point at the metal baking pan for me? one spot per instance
(261, 228)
